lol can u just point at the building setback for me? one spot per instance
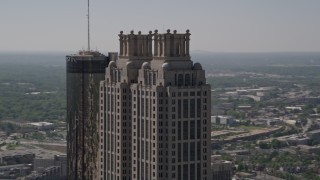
(154, 111)
(84, 73)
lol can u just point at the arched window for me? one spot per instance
(145, 77)
(160, 49)
(175, 79)
(125, 48)
(192, 80)
(114, 74)
(187, 80)
(141, 49)
(119, 76)
(177, 49)
(154, 79)
(180, 80)
(150, 79)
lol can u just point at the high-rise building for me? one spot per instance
(84, 73)
(154, 111)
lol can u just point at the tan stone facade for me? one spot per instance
(154, 111)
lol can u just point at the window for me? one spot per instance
(192, 171)
(185, 152)
(192, 108)
(185, 130)
(119, 76)
(198, 107)
(150, 79)
(180, 80)
(185, 108)
(192, 129)
(187, 80)
(179, 108)
(179, 152)
(204, 107)
(185, 171)
(198, 129)
(179, 130)
(173, 174)
(142, 128)
(154, 78)
(198, 150)
(147, 108)
(192, 151)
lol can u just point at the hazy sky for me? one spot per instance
(215, 25)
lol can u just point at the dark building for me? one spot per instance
(85, 70)
(55, 166)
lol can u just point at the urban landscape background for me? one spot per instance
(261, 59)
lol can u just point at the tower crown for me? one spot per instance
(172, 45)
(135, 45)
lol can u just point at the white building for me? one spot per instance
(224, 120)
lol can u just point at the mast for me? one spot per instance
(88, 15)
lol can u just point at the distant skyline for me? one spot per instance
(215, 25)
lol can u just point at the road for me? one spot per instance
(263, 176)
(42, 143)
(307, 126)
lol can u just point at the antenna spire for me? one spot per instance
(88, 15)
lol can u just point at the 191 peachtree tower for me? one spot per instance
(155, 109)
(84, 73)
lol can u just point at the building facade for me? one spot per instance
(154, 111)
(220, 169)
(84, 73)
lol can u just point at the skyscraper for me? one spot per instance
(84, 73)
(154, 111)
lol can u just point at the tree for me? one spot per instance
(240, 167)
(275, 144)
(264, 145)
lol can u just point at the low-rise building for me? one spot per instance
(220, 169)
(42, 125)
(60, 161)
(309, 149)
(16, 157)
(224, 120)
(265, 121)
(49, 173)
(315, 134)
